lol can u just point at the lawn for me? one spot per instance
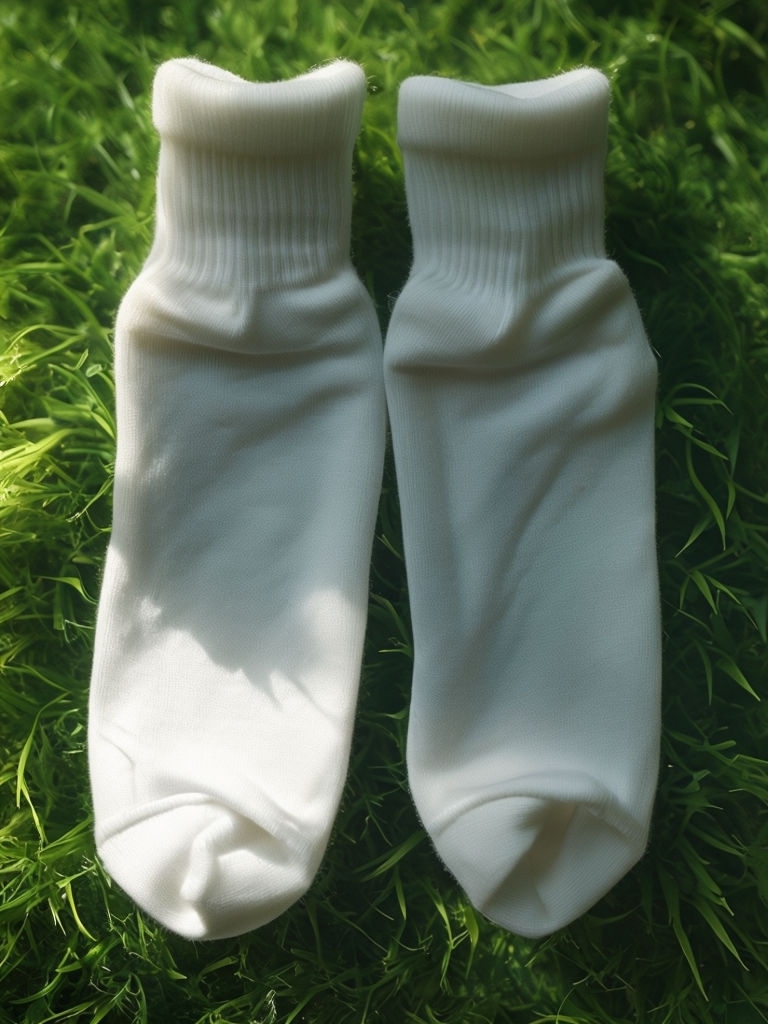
(385, 935)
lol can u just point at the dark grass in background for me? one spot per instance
(385, 935)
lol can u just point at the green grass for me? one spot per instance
(384, 934)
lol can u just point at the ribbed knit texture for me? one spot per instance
(521, 393)
(251, 427)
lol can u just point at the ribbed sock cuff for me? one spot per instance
(254, 182)
(504, 182)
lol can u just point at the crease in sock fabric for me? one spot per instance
(521, 392)
(251, 426)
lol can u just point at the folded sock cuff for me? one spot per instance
(210, 107)
(527, 120)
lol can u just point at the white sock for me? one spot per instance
(251, 425)
(521, 395)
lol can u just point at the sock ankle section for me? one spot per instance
(251, 427)
(521, 392)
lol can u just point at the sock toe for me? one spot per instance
(199, 863)
(535, 863)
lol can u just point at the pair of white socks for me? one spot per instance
(251, 410)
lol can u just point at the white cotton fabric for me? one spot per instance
(251, 427)
(521, 394)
